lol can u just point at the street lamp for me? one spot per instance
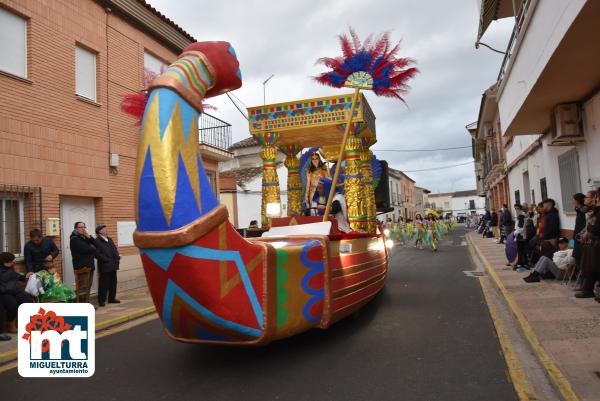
(264, 88)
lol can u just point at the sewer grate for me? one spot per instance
(473, 273)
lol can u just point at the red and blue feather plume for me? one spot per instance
(369, 65)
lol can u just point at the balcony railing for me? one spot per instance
(519, 22)
(214, 132)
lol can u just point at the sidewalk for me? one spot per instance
(134, 304)
(567, 328)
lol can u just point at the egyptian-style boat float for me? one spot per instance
(208, 283)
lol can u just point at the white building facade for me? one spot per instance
(549, 103)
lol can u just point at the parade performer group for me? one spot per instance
(421, 232)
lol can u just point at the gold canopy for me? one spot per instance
(312, 122)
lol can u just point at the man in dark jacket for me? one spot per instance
(83, 251)
(494, 224)
(12, 294)
(551, 223)
(38, 251)
(108, 264)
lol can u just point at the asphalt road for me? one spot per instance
(427, 336)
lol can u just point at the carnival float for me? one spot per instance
(208, 283)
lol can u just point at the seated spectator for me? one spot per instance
(551, 268)
(54, 290)
(12, 289)
(38, 251)
(3, 335)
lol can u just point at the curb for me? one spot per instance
(10, 356)
(555, 374)
(516, 373)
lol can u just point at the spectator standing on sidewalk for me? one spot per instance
(589, 238)
(83, 251)
(494, 224)
(12, 290)
(38, 251)
(108, 264)
(506, 223)
(580, 209)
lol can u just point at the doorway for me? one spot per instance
(72, 210)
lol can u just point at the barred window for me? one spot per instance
(11, 235)
(543, 188)
(570, 182)
(20, 211)
(517, 197)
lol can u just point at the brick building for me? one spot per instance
(67, 152)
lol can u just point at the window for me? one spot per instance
(471, 204)
(11, 226)
(543, 189)
(533, 196)
(85, 73)
(570, 183)
(526, 187)
(517, 197)
(13, 43)
(212, 178)
(153, 66)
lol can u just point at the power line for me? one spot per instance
(437, 168)
(420, 150)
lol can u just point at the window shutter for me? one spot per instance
(85, 73)
(13, 43)
(570, 183)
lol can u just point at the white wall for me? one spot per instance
(519, 144)
(458, 204)
(544, 163)
(550, 22)
(534, 165)
(249, 200)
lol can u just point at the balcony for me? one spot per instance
(214, 137)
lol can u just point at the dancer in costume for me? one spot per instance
(316, 171)
(432, 232)
(419, 231)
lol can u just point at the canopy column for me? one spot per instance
(369, 193)
(294, 183)
(270, 180)
(354, 186)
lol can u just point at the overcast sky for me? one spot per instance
(285, 38)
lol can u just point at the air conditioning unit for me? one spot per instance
(488, 131)
(566, 126)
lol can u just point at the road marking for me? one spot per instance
(515, 370)
(474, 273)
(557, 377)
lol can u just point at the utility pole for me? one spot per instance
(265, 90)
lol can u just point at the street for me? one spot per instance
(427, 336)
